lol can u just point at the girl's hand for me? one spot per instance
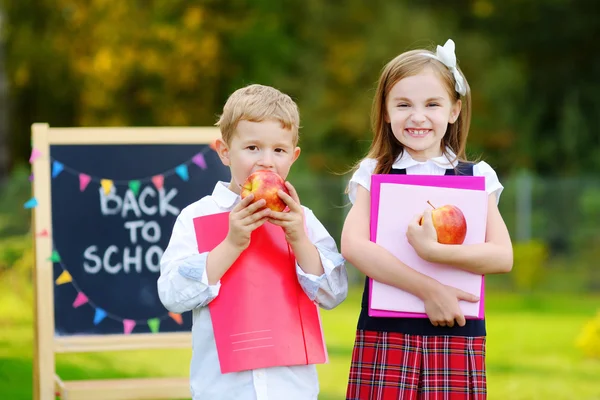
(442, 306)
(243, 219)
(423, 238)
(292, 221)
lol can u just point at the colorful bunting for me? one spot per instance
(80, 300)
(31, 203)
(65, 277)
(57, 168)
(182, 171)
(135, 187)
(99, 316)
(35, 153)
(107, 185)
(158, 181)
(128, 325)
(154, 324)
(199, 160)
(176, 317)
(84, 180)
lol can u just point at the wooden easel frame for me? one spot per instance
(46, 384)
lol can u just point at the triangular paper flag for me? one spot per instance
(153, 324)
(35, 153)
(135, 187)
(158, 181)
(176, 317)
(128, 325)
(182, 171)
(31, 178)
(57, 168)
(63, 278)
(83, 181)
(55, 257)
(107, 185)
(42, 233)
(199, 160)
(80, 300)
(31, 203)
(99, 316)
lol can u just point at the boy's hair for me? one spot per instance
(385, 148)
(257, 103)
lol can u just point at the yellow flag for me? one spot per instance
(65, 277)
(107, 184)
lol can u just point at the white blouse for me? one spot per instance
(433, 166)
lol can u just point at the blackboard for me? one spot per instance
(113, 208)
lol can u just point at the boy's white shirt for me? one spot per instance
(433, 166)
(183, 286)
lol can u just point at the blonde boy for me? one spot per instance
(259, 127)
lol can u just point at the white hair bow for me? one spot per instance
(447, 57)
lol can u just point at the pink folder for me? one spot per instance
(261, 317)
(400, 198)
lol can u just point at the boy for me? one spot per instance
(259, 128)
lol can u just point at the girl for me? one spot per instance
(421, 115)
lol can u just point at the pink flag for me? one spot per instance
(80, 300)
(42, 233)
(128, 325)
(158, 181)
(199, 160)
(83, 181)
(35, 153)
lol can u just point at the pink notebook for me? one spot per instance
(400, 198)
(261, 317)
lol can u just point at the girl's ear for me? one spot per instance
(222, 150)
(455, 111)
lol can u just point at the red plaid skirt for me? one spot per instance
(397, 366)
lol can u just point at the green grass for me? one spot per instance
(531, 350)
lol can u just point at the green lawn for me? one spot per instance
(531, 350)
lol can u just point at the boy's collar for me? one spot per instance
(223, 196)
(405, 160)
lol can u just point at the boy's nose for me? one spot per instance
(266, 161)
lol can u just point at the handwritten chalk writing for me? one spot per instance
(112, 262)
(113, 204)
(150, 230)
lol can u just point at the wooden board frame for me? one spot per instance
(46, 384)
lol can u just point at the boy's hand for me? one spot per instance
(243, 219)
(423, 238)
(292, 221)
(442, 306)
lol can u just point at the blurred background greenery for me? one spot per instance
(535, 75)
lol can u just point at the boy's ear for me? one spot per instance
(222, 150)
(296, 153)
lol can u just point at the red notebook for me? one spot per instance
(261, 317)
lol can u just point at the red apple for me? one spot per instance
(265, 184)
(450, 224)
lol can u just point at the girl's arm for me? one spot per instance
(441, 302)
(495, 256)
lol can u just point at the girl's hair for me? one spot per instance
(385, 148)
